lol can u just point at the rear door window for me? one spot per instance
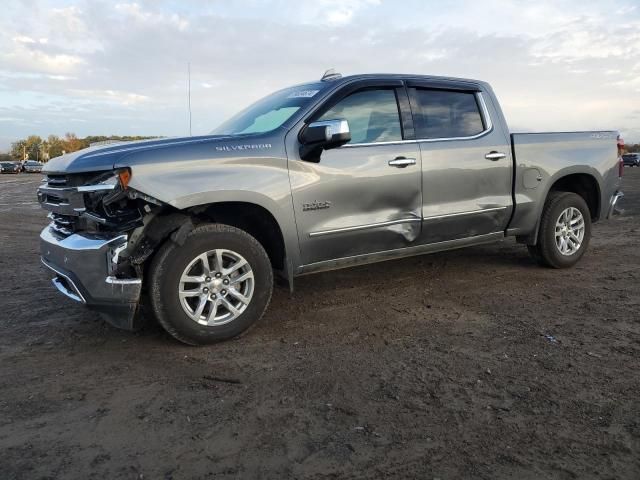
(446, 114)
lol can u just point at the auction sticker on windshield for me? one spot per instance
(303, 94)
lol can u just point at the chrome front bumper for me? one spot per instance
(84, 268)
(613, 204)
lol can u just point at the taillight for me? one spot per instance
(620, 167)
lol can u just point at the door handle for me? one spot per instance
(493, 156)
(402, 162)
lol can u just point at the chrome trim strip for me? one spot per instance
(484, 111)
(76, 295)
(395, 142)
(459, 214)
(80, 242)
(400, 253)
(122, 281)
(364, 227)
(94, 188)
(46, 188)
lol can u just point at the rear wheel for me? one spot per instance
(565, 231)
(211, 288)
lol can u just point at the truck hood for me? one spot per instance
(105, 157)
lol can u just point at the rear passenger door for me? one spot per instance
(466, 162)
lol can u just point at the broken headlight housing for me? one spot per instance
(114, 180)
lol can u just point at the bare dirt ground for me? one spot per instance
(468, 364)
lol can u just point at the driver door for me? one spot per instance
(364, 197)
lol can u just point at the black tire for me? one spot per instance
(171, 260)
(546, 251)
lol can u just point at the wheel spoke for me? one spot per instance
(218, 261)
(200, 308)
(239, 296)
(575, 239)
(212, 312)
(190, 293)
(242, 277)
(192, 278)
(232, 310)
(206, 268)
(235, 267)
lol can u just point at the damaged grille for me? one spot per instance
(58, 194)
(80, 203)
(64, 225)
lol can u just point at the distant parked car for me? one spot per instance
(631, 159)
(31, 166)
(9, 167)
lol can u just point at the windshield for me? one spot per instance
(32, 162)
(271, 112)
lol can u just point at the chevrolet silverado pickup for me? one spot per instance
(319, 176)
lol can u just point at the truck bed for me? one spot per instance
(542, 158)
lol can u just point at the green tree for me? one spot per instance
(18, 149)
(33, 144)
(55, 146)
(72, 143)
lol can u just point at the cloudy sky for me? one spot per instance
(104, 67)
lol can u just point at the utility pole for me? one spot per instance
(189, 93)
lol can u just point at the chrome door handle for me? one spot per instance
(493, 156)
(402, 162)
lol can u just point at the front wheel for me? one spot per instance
(565, 230)
(212, 287)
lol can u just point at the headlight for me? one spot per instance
(109, 181)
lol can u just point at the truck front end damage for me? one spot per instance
(94, 244)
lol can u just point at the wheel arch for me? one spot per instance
(253, 219)
(585, 182)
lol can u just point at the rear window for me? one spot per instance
(447, 114)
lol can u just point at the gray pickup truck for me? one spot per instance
(329, 174)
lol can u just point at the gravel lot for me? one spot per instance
(468, 364)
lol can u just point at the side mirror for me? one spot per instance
(323, 135)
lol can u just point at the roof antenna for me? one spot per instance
(330, 75)
(189, 93)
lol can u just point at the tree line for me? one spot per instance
(36, 148)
